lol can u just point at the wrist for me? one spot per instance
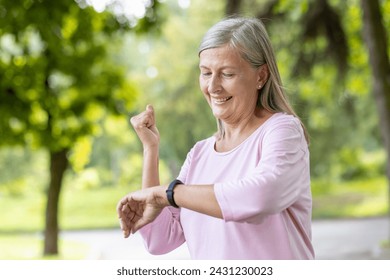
(162, 196)
(151, 149)
(156, 196)
(171, 193)
(151, 154)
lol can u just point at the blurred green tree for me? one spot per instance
(58, 80)
(375, 37)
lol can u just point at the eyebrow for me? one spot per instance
(222, 68)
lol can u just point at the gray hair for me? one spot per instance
(250, 38)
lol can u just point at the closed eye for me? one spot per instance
(228, 75)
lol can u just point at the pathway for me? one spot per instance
(332, 239)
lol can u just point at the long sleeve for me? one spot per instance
(165, 233)
(280, 178)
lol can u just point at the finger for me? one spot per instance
(126, 233)
(141, 219)
(145, 119)
(126, 209)
(120, 205)
(150, 108)
(128, 213)
(124, 228)
(126, 218)
(124, 221)
(138, 198)
(134, 204)
(131, 216)
(123, 201)
(127, 230)
(119, 209)
(127, 224)
(122, 224)
(139, 224)
(138, 121)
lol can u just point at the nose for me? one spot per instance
(214, 85)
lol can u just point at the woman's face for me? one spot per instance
(229, 83)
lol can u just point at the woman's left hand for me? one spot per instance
(140, 208)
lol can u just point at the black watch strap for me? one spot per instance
(169, 192)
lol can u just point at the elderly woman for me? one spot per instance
(243, 193)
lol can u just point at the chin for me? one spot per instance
(218, 115)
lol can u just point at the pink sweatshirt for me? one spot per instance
(263, 189)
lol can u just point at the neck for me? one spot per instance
(235, 133)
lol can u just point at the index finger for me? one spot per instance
(150, 108)
(120, 205)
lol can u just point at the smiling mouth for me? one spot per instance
(220, 101)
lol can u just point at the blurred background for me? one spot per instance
(73, 71)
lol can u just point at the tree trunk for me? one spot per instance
(232, 7)
(374, 35)
(58, 165)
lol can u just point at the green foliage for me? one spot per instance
(18, 176)
(81, 153)
(339, 115)
(57, 80)
(352, 164)
(155, 15)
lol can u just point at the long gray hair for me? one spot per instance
(250, 38)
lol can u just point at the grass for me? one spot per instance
(22, 217)
(91, 209)
(79, 209)
(29, 247)
(363, 198)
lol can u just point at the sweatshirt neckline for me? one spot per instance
(253, 134)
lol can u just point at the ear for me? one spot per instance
(263, 74)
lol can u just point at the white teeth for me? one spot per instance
(221, 100)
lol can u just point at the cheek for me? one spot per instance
(207, 97)
(203, 86)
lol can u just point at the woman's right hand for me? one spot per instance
(144, 125)
(140, 208)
